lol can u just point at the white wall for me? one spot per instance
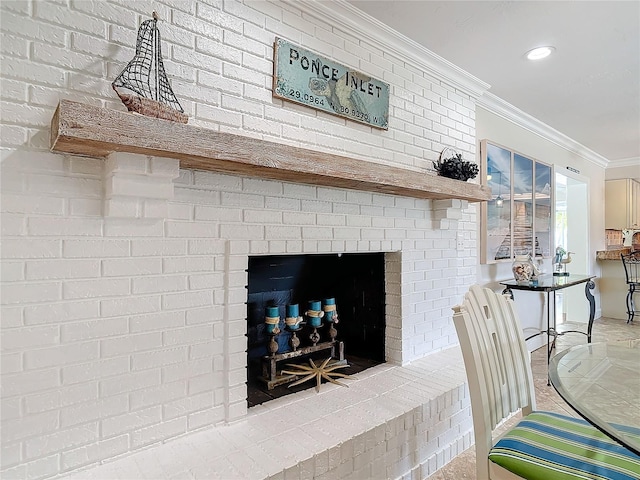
(495, 127)
(630, 170)
(122, 326)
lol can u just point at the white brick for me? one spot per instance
(29, 382)
(179, 211)
(172, 301)
(30, 248)
(164, 167)
(95, 370)
(158, 358)
(96, 288)
(61, 355)
(11, 271)
(13, 135)
(130, 382)
(129, 306)
(60, 227)
(155, 208)
(153, 247)
(131, 266)
(122, 207)
(127, 228)
(94, 452)
(61, 440)
(12, 225)
(248, 232)
(11, 408)
(21, 293)
(159, 432)
(131, 421)
(188, 370)
(32, 204)
(57, 269)
(30, 337)
(155, 284)
(11, 363)
(129, 344)
(197, 282)
(95, 248)
(206, 246)
(10, 455)
(187, 264)
(157, 321)
(35, 469)
(11, 317)
(30, 426)
(188, 335)
(56, 399)
(185, 406)
(94, 410)
(138, 186)
(158, 395)
(204, 315)
(42, 184)
(85, 207)
(61, 312)
(126, 163)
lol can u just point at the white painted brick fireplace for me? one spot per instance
(124, 280)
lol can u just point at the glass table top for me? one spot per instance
(601, 381)
(549, 282)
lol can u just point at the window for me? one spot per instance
(517, 220)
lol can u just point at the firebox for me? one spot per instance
(282, 285)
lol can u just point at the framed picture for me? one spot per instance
(517, 219)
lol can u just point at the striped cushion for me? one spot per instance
(549, 446)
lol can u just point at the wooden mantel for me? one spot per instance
(82, 129)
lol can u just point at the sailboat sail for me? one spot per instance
(146, 77)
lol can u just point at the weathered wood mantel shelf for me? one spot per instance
(82, 129)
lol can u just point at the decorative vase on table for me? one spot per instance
(523, 269)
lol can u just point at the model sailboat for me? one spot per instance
(145, 78)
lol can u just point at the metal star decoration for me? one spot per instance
(324, 370)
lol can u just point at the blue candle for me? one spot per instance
(329, 307)
(314, 313)
(314, 305)
(272, 311)
(292, 310)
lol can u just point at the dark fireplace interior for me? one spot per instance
(356, 281)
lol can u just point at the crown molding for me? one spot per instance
(507, 111)
(625, 162)
(345, 16)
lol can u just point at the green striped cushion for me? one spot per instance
(550, 446)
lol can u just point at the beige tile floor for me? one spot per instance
(604, 329)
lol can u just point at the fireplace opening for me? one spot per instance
(355, 283)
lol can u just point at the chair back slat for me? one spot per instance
(493, 348)
(631, 264)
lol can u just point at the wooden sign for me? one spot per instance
(307, 78)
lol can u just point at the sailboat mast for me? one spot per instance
(156, 56)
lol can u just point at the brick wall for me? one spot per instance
(123, 280)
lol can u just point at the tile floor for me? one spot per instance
(604, 329)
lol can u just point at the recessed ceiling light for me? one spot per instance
(539, 53)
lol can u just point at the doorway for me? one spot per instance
(572, 233)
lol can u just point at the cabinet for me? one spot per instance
(621, 203)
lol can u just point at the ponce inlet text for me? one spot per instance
(330, 73)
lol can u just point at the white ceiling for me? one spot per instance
(588, 90)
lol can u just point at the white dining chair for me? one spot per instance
(543, 445)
